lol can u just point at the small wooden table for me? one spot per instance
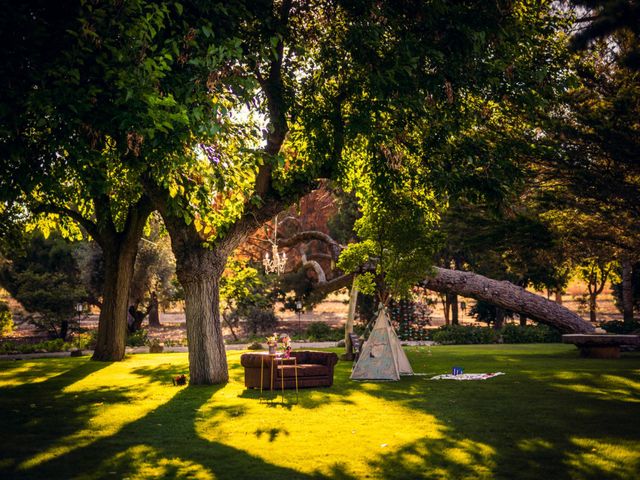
(277, 358)
(600, 345)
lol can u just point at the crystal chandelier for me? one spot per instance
(277, 262)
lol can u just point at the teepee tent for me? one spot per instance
(382, 357)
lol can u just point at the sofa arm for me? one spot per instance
(255, 360)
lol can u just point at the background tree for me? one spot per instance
(247, 295)
(153, 272)
(43, 276)
(589, 175)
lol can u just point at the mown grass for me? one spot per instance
(553, 415)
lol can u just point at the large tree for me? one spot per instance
(348, 89)
(93, 97)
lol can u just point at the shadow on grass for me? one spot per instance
(531, 423)
(34, 409)
(147, 449)
(550, 417)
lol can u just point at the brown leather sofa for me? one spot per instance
(315, 369)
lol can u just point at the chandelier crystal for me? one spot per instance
(278, 260)
(276, 263)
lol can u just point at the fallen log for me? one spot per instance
(506, 295)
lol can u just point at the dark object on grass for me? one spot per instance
(180, 380)
(76, 353)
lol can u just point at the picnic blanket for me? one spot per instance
(467, 376)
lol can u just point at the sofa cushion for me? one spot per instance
(304, 370)
(311, 356)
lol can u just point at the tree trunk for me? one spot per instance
(348, 327)
(154, 315)
(446, 306)
(499, 321)
(112, 324)
(64, 329)
(627, 290)
(592, 307)
(226, 320)
(453, 301)
(508, 296)
(199, 271)
(523, 320)
(559, 297)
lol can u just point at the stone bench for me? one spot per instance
(600, 345)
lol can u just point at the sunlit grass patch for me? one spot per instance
(606, 458)
(553, 415)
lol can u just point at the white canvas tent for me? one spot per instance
(382, 357)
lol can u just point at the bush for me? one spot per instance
(464, 335)
(57, 345)
(486, 312)
(84, 341)
(620, 327)
(6, 320)
(510, 333)
(530, 334)
(320, 331)
(138, 339)
(255, 346)
(260, 320)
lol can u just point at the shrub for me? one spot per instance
(620, 327)
(138, 339)
(86, 340)
(260, 320)
(57, 345)
(464, 335)
(486, 312)
(530, 334)
(255, 346)
(6, 320)
(318, 331)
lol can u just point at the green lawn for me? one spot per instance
(552, 416)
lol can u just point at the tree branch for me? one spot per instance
(88, 225)
(306, 263)
(309, 235)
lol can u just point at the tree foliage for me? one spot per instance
(44, 277)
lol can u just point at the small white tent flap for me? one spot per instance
(382, 357)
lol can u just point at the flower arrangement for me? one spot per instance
(286, 345)
(272, 342)
(284, 340)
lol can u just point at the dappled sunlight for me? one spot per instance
(614, 459)
(117, 399)
(447, 457)
(127, 420)
(598, 385)
(143, 462)
(532, 445)
(16, 373)
(325, 431)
